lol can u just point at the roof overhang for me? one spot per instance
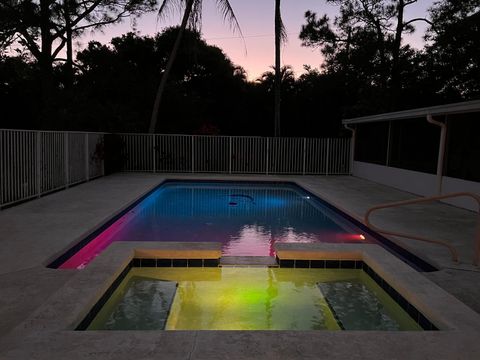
(449, 109)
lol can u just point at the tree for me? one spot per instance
(192, 16)
(453, 51)
(401, 27)
(315, 90)
(18, 92)
(46, 27)
(115, 88)
(268, 79)
(381, 21)
(280, 37)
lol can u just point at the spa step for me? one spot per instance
(248, 261)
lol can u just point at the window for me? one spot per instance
(463, 147)
(414, 145)
(371, 142)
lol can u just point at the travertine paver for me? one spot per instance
(48, 332)
(33, 233)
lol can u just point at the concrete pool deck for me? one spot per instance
(49, 331)
(34, 233)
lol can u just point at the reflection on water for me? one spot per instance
(258, 218)
(246, 218)
(250, 299)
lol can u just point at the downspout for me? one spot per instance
(352, 145)
(441, 150)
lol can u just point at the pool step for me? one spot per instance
(248, 261)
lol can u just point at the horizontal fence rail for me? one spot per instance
(235, 154)
(34, 163)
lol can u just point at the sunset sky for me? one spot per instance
(256, 20)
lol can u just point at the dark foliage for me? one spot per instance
(114, 85)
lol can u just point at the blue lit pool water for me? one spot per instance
(247, 218)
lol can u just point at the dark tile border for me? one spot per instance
(320, 264)
(414, 313)
(410, 309)
(411, 259)
(337, 319)
(393, 248)
(140, 262)
(78, 246)
(104, 298)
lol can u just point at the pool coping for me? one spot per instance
(174, 254)
(416, 261)
(202, 344)
(53, 324)
(57, 319)
(444, 310)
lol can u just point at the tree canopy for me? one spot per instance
(192, 18)
(454, 48)
(43, 29)
(114, 84)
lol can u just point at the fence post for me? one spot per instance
(66, 160)
(154, 154)
(192, 154)
(304, 154)
(87, 160)
(268, 155)
(351, 152)
(103, 157)
(327, 163)
(230, 155)
(38, 165)
(3, 160)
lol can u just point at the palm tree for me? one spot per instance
(268, 78)
(280, 37)
(192, 17)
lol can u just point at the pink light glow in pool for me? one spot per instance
(246, 218)
(97, 245)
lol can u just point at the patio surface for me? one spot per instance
(34, 233)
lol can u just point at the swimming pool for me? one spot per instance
(247, 218)
(250, 299)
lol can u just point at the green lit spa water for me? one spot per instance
(250, 299)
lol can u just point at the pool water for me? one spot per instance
(250, 299)
(247, 218)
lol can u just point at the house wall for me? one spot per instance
(417, 183)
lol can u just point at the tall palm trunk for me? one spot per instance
(69, 36)
(397, 44)
(168, 68)
(45, 63)
(278, 75)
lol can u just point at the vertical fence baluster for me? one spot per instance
(67, 175)
(304, 155)
(38, 166)
(267, 156)
(8, 162)
(192, 153)
(35, 162)
(154, 153)
(87, 165)
(327, 158)
(2, 171)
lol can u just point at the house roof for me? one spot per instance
(448, 109)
